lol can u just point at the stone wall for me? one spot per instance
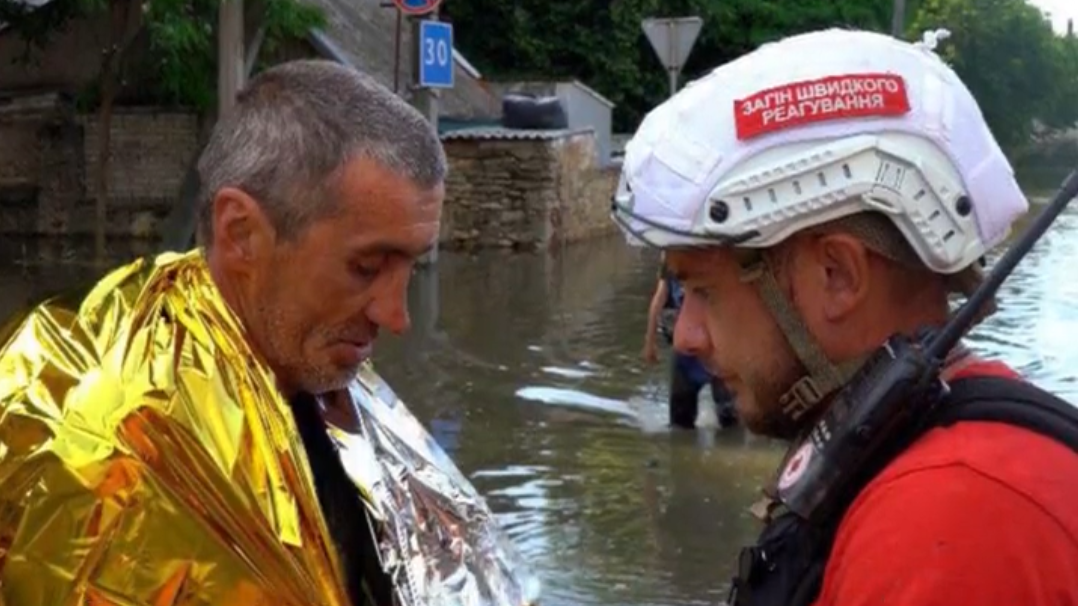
(41, 176)
(507, 189)
(48, 160)
(150, 153)
(584, 190)
(525, 190)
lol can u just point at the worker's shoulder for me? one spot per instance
(1040, 469)
(974, 513)
(988, 460)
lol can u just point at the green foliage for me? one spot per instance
(181, 39)
(1005, 51)
(601, 43)
(35, 25)
(1061, 109)
(184, 47)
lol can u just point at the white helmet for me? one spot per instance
(811, 129)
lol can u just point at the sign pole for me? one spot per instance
(425, 100)
(673, 39)
(432, 66)
(423, 97)
(671, 36)
(898, 19)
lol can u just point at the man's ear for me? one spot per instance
(844, 271)
(241, 230)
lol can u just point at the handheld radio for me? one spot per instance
(895, 389)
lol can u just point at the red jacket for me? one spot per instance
(976, 514)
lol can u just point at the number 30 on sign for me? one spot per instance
(436, 51)
(435, 54)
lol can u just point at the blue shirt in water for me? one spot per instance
(688, 366)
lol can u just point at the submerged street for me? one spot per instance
(526, 369)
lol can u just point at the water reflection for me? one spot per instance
(1037, 323)
(526, 369)
(537, 358)
(555, 402)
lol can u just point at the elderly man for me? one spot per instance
(816, 197)
(203, 428)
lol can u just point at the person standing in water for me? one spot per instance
(687, 375)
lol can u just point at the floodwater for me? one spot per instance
(526, 369)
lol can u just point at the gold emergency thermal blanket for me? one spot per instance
(146, 458)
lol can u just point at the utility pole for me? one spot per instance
(231, 67)
(898, 19)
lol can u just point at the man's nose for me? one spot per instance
(690, 331)
(388, 307)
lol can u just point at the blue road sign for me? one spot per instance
(417, 7)
(435, 54)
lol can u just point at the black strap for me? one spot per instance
(1011, 401)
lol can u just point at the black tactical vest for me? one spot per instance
(785, 567)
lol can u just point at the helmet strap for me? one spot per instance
(823, 376)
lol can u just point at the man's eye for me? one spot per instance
(367, 269)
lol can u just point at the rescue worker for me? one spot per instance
(816, 197)
(205, 428)
(687, 374)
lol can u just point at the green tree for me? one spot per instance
(601, 43)
(1021, 73)
(1062, 108)
(178, 35)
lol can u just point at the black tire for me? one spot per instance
(533, 113)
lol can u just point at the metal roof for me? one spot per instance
(499, 133)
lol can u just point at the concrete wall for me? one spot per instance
(586, 109)
(48, 163)
(524, 193)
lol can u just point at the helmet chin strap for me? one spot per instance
(823, 376)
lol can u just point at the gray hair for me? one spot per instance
(294, 126)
